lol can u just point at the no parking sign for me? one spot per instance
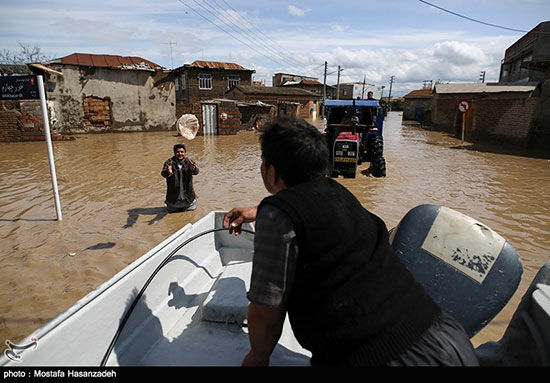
(464, 106)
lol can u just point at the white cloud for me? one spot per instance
(295, 11)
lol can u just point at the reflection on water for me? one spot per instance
(112, 198)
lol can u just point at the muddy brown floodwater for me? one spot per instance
(112, 200)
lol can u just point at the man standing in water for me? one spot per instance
(179, 171)
(350, 299)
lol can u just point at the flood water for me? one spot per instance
(112, 200)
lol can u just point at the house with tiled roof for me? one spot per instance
(205, 80)
(418, 105)
(107, 93)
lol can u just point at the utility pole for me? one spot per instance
(363, 91)
(338, 84)
(171, 57)
(325, 84)
(391, 83)
(324, 90)
(482, 76)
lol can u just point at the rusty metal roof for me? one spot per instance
(420, 93)
(109, 61)
(217, 65)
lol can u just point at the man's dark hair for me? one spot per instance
(177, 146)
(296, 149)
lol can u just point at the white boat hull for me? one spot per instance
(181, 319)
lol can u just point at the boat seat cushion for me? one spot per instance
(227, 301)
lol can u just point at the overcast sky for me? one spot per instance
(408, 39)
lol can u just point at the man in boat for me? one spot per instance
(326, 260)
(179, 171)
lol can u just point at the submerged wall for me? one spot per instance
(22, 120)
(95, 100)
(499, 117)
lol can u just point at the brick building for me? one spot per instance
(287, 100)
(499, 112)
(206, 80)
(418, 106)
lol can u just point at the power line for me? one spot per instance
(266, 53)
(251, 36)
(227, 32)
(300, 64)
(469, 18)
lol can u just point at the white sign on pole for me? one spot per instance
(49, 146)
(463, 106)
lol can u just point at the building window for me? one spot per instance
(179, 82)
(205, 81)
(182, 82)
(233, 80)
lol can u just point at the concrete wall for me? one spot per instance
(95, 100)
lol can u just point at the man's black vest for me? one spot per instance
(353, 301)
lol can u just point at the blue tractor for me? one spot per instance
(354, 135)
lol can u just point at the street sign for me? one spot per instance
(463, 106)
(18, 88)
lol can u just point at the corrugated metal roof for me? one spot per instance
(275, 90)
(217, 65)
(305, 81)
(109, 61)
(420, 93)
(482, 88)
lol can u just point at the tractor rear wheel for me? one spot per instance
(378, 167)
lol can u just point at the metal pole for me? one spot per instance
(338, 85)
(463, 125)
(49, 145)
(324, 91)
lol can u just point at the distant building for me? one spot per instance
(280, 79)
(418, 105)
(287, 100)
(205, 80)
(107, 93)
(528, 58)
(355, 90)
(310, 85)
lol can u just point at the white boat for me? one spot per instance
(183, 303)
(190, 314)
